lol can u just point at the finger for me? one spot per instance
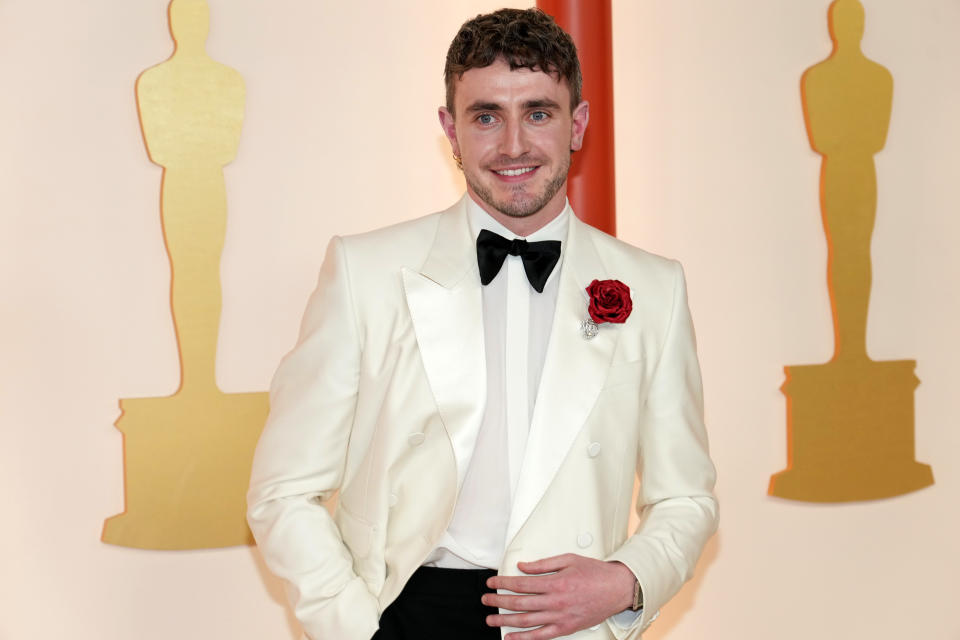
(520, 620)
(520, 584)
(546, 632)
(516, 603)
(546, 565)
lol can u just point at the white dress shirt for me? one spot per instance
(516, 329)
(516, 322)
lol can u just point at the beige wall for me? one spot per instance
(713, 168)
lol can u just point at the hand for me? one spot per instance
(576, 593)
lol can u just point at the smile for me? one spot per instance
(514, 172)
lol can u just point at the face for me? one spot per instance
(514, 132)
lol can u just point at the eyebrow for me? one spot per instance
(542, 103)
(484, 106)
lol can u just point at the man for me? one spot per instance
(483, 402)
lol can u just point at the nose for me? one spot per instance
(513, 142)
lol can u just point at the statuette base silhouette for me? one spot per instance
(850, 432)
(185, 458)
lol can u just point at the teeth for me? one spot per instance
(515, 172)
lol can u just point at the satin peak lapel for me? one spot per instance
(573, 374)
(445, 303)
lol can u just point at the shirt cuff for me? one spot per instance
(627, 618)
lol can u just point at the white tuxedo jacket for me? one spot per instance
(383, 395)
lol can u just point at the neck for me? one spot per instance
(191, 46)
(528, 224)
(847, 47)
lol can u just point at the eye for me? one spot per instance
(539, 116)
(485, 118)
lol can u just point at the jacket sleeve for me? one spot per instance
(299, 463)
(678, 512)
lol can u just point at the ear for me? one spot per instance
(581, 116)
(449, 126)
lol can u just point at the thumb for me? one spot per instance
(545, 565)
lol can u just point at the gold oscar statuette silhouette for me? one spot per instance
(187, 457)
(850, 422)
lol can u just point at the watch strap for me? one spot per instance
(637, 597)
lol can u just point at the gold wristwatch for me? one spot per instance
(637, 597)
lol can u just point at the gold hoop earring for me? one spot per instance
(459, 161)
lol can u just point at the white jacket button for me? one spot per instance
(392, 500)
(416, 439)
(593, 450)
(584, 540)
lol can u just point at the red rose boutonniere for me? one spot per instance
(609, 302)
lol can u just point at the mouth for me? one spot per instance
(515, 172)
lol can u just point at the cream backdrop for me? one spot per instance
(341, 135)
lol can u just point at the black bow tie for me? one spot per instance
(539, 258)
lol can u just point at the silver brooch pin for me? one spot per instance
(589, 329)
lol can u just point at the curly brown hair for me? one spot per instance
(525, 38)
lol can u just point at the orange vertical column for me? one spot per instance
(592, 181)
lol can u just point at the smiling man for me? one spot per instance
(482, 386)
(516, 131)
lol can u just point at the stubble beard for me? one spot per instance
(524, 206)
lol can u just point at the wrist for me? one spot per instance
(626, 585)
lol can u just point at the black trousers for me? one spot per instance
(440, 604)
